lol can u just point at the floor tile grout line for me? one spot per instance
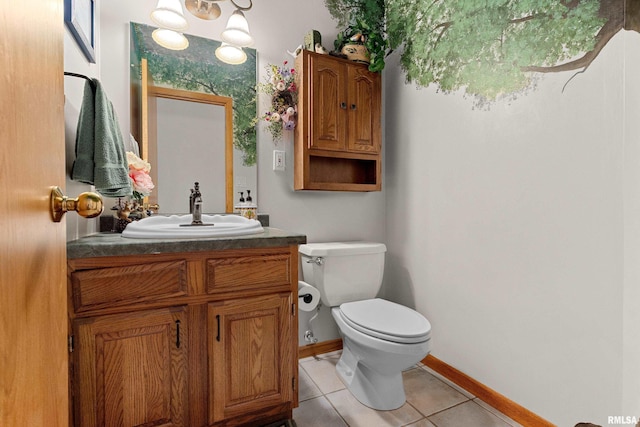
(493, 413)
(423, 417)
(312, 380)
(448, 382)
(446, 409)
(323, 394)
(336, 409)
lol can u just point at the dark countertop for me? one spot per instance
(113, 244)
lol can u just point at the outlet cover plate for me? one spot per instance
(278, 160)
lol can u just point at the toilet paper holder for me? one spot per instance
(306, 298)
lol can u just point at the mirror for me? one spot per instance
(187, 84)
(190, 139)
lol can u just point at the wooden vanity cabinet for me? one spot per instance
(338, 135)
(168, 340)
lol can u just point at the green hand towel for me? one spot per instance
(83, 165)
(100, 155)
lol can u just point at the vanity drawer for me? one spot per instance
(117, 286)
(248, 272)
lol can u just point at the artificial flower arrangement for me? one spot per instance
(139, 171)
(281, 86)
(142, 185)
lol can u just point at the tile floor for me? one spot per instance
(432, 401)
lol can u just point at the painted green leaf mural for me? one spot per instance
(197, 69)
(492, 48)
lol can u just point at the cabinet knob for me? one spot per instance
(343, 105)
(353, 106)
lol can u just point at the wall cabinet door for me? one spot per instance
(329, 118)
(251, 355)
(364, 108)
(132, 369)
(346, 105)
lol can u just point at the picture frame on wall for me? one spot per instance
(79, 16)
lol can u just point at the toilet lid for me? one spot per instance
(386, 320)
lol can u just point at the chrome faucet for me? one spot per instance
(195, 194)
(195, 204)
(197, 212)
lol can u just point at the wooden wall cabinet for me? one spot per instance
(338, 135)
(168, 340)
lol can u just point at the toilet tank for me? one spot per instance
(343, 271)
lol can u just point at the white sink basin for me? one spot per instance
(177, 227)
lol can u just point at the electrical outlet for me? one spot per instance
(278, 160)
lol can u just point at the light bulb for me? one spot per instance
(230, 54)
(170, 39)
(168, 14)
(237, 30)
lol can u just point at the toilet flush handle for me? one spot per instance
(317, 260)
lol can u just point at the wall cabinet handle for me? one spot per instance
(177, 333)
(218, 320)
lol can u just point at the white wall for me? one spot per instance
(515, 231)
(631, 290)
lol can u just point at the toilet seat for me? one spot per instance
(386, 320)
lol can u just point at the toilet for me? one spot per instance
(380, 338)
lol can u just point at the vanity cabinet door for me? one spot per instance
(251, 356)
(131, 369)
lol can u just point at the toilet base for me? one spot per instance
(381, 391)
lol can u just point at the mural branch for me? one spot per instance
(494, 48)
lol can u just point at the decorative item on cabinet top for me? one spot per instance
(362, 23)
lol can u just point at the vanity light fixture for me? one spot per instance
(169, 16)
(231, 54)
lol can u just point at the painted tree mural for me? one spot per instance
(197, 69)
(491, 48)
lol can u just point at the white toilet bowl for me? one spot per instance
(380, 338)
(378, 345)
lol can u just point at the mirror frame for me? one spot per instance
(149, 117)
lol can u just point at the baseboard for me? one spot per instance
(319, 348)
(487, 395)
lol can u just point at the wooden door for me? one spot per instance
(328, 104)
(131, 369)
(364, 108)
(251, 355)
(33, 325)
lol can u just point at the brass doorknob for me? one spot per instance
(88, 205)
